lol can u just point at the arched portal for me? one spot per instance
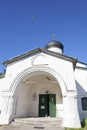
(34, 85)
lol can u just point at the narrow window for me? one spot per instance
(84, 103)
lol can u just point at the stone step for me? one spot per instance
(39, 121)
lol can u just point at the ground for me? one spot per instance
(28, 127)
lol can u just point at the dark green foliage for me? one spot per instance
(84, 124)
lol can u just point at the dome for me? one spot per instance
(55, 44)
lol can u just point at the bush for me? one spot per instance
(84, 124)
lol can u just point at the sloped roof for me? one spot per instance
(37, 50)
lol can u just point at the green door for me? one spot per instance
(52, 105)
(43, 105)
(47, 105)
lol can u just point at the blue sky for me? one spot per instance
(28, 24)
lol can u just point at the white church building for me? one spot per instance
(44, 83)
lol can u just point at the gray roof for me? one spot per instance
(38, 50)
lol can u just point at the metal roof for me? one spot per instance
(54, 43)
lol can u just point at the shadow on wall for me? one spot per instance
(80, 90)
(81, 93)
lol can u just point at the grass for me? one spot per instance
(4, 125)
(75, 128)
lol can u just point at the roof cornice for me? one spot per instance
(37, 50)
(81, 68)
(22, 56)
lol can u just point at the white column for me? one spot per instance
(71, 115)
(10, 107)
(6, 109)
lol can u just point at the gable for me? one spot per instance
(39, 50)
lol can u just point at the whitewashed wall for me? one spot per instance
(61, 69)
(81, 83)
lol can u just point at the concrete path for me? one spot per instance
(29, 127)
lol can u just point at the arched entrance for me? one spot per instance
(24, 96)
(38, 94)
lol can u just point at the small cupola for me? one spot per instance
(55, 46)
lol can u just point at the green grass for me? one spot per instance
(75, 128)
(4, 125)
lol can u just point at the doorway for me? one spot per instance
(47, 105)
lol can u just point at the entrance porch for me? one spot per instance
(38, 95)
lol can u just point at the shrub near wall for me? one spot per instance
(84, 123)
